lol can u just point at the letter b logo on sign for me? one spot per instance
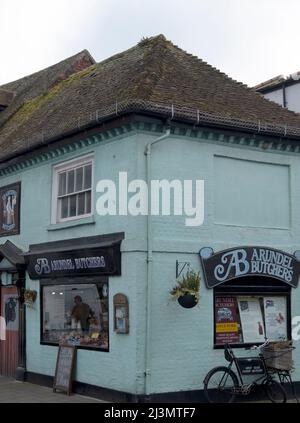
(236, 260)
(42, 266)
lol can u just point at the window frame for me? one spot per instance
(72, 281)
(64, 167)
(276, 291)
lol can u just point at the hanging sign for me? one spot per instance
(10, 209)
(249, 261)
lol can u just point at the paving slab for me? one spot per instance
(12, 391)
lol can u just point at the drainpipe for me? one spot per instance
(149, 262)
(284, 94)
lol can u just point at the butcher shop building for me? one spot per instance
(81, 266)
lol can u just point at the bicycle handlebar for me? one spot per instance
(260, 347)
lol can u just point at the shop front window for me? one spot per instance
(250, 319)
(76, 314)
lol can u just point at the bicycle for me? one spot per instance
(222, 384)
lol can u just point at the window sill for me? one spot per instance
(79, 347)
(72, 223)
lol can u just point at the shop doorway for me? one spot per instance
(9, 348)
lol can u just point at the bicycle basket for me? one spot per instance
(278, 355)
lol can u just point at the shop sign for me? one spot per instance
(97, 261)
(10, 209)
(249, 261)
(251, 366)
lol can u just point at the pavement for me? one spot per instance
(12, 391)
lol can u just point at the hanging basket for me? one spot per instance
(186, 291)
(188, 301)
(30, 296)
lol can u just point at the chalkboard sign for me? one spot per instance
(64, 368)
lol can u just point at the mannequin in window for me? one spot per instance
(81, 313)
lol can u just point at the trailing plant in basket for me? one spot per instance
(29, 297)
(189, 284)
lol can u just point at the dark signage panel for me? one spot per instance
(251, 366)
(92, 261)
(249, 261)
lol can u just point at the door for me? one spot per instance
(9, 346)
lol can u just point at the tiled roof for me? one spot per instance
(277, 82)
(154, 76)
(270, 83)
(6, 97)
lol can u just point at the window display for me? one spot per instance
(244, 319)
(76, 314)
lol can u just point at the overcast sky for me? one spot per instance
(250, 40)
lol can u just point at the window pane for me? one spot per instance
(64, 207)
(76, 314)
(87, 176)
(81, 203)
(71, 180)
(79, 179)
(62, 179)
(88, 202)
(72, 200)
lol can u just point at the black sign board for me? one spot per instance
(91, 261)
(249, 261)
(251, 366)
(64, 368)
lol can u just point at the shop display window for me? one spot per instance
(76, 314)
(250, 319)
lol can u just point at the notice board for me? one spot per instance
(64, 368)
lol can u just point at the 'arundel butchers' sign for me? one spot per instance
(105, 261)
(249, 261)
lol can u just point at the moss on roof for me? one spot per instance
(29, 107)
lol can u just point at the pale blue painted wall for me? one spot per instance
(181, 346)
(121, 368)
(188, 334)
(292, 95)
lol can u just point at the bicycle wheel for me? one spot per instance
(286, 381)
(275, 391)
(220, 384)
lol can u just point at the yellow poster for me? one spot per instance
(226, 327)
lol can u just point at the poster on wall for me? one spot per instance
(227, 328)
(10, 209)
(276, 318)
(251, 319)
(11, 312)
